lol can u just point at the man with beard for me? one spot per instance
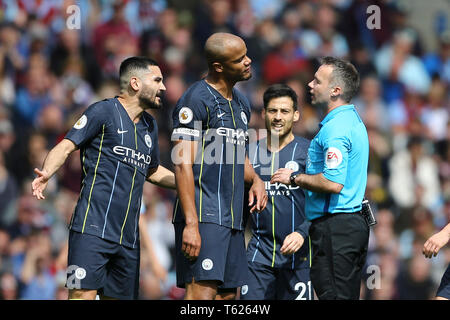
(278, 253)
(335, 183)
(211, 165)
(118, 142)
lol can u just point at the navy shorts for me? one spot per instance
(444, 288)
(267, 283)
(98, 264)
(222, 257)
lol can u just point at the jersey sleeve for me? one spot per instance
(155, 161)
(189, 118)
(88, 125)
(336, 148)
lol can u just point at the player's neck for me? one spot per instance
(278, 143)
(132, 107)
(221, 85)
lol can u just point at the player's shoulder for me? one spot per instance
(197, 92)
(302, 141)
(242, 98)
(102, 106)
(195, 98)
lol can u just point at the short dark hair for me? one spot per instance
(344, 75)
(133, 64)
(280, 90)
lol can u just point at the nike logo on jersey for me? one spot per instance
(220, 115)
(256, 165)
(121, 131)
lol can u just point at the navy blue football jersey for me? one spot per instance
(285, 209)
(116, 155)
(220, 127)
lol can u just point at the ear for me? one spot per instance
(336, 92)
(296, 115)
(217, 67)
(135, 83)
(263, 113)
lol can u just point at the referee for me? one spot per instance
(334, 183)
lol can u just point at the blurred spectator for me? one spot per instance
(414, 281)
(413, 180)
(72, 57)
(324, 39)
(435, 114)
(34, 95)
(8, 287)
(370, 104)
(38, 281)
(286, 61)
(113, 41)
(438, 64)
(8, 187)
(399, 68)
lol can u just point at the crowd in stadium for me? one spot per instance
(49, 74)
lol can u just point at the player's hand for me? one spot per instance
(435, 243)
(257, 192)
(191, 241)
(292, 243)
(40, 183)
(282, 175)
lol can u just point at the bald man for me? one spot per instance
(211, 166)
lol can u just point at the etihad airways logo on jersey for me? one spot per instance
(132, 156)
(278, 189)
(235, 136)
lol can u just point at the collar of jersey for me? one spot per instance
(334, 112)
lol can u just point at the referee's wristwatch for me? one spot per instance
(292, 179)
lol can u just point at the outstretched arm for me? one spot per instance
(54, 160)
(315, 183)
(436, 242)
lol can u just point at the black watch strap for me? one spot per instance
(292, 178)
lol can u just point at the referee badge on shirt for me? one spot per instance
(333, 158)
(185, 115)
(148, 141)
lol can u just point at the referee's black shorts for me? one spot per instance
(339, 248)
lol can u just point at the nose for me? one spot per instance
(311, 84)
(248, 61)
(163, 87)
(277, 116)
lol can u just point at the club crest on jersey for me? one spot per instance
(333, 158)
(185, 115)
(293, 165)
(81, 122)
(243, 117)
(148, 141)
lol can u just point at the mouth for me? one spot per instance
(277, 126)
